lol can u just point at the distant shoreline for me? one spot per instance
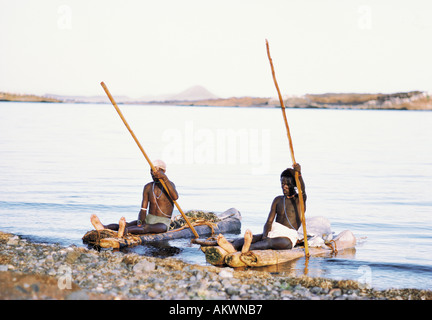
(11, 97)
(413, 100)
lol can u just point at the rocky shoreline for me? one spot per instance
(39, 271)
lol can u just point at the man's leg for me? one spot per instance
(239, 242)
(247, 241)
(146, 228)
(279, 243)
(236, 244)
(225, 244)
(96, 222)
(122, 226)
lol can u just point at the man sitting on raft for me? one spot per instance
(158, 217)
(282, 233)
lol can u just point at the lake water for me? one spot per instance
(366, 171)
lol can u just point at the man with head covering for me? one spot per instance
(283, 221)
(156, 208)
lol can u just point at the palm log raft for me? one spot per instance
(204, 223)
(216, 255)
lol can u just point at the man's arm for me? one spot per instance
(144, 204)
(170, 186)
(297, 168)
(270, 219)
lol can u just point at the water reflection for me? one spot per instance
(159, 249)
(313, 266)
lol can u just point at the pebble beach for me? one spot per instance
(40, 271)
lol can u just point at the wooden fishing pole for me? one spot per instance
(145, 156)
(297, 180)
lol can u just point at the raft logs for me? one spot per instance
(217, 256)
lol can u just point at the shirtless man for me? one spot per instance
(279, 234)
(158, 217)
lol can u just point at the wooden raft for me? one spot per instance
(230, 222)
(217, 256)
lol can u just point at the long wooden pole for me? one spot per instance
(145, 155)
(297, 180)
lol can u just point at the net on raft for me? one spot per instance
(195, 217)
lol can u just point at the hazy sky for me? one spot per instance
(141, 48)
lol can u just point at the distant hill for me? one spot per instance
(191, 94)
(194, 93)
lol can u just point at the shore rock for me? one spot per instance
(50, 271)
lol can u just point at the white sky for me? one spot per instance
(145, 47)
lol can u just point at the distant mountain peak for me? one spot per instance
(194, 93)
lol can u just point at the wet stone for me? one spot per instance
(117, 275)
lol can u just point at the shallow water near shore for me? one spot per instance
(366, 171)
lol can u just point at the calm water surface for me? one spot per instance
(366, 171)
